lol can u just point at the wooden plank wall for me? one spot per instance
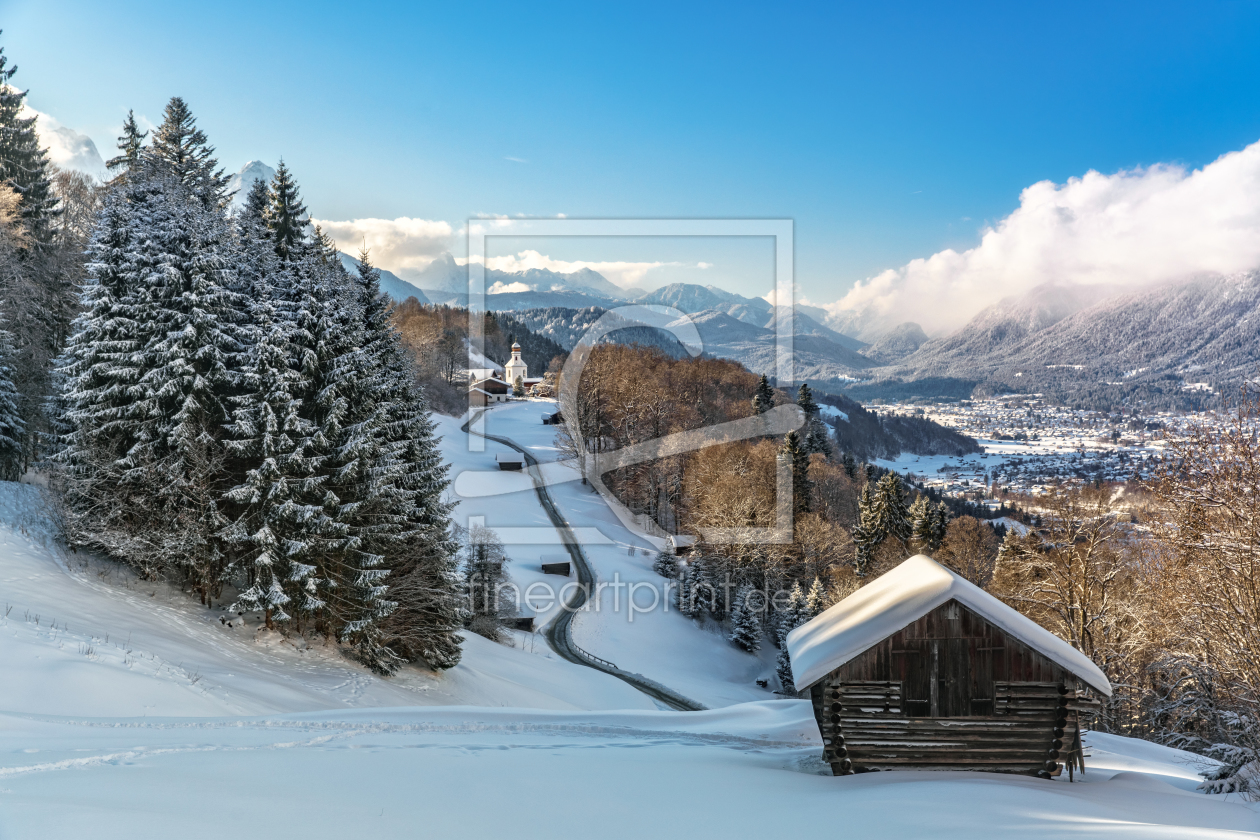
(950, 691)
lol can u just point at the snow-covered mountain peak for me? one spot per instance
(67, 148)
(241, 182)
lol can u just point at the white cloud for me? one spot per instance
(1141, 226)
(395, 244)
(621, 273)
(500, 287)
(704, 265)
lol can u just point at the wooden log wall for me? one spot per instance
(953, 705)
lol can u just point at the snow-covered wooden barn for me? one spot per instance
(921, 669)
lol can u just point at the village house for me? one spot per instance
(488, 386)
(923, 670)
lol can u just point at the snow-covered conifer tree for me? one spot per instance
(783, 670)
(424, 575)
(815, 600)
(923, 525)
(802, 487)
(287, 216)
(893, 517)
(665, 565)
(130, 142)
(791, 615)
(745, 620)
(763, 397)
(187, 156)
(155, 358)
(278, 517)
(866, 535)
(815, 436)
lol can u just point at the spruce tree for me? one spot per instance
(683, 599)
(866, 534)
(185, 153)
(518, 388)
(940, 522)
(792, 615)
(343, 406)
(24, 162)
(277, 510)
(287, 217)
(763, 397)
(805, 400)
(783, 670)
(928, 524)
(815, 600)
(665, 565)
(410, 479)
(892, 515)
(130, 142)
(922, 525)
(815, 436)
(154, 361)
(850, 465)
(802, 488)
(745, 622)
(12, 425)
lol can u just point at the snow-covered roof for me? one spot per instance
(902, 596)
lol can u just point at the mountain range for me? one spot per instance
(1172, 346)
(1175, 345)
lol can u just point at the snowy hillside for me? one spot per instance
(748, 771)
(85, 637)
(125, 706)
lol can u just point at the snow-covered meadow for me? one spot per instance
(127, 710)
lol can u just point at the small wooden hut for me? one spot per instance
(510, 460)
(922, 670)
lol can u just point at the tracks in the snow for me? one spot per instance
(559, 632)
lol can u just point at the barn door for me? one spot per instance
(947, 677)
(964, 674)
(915, 657)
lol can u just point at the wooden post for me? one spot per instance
(934, 684)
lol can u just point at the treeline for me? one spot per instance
(437, 338)
(870, 435)
(567, 326)
(630, 395)
(219, 402)
(46, 219)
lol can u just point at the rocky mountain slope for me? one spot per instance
(1189, 338)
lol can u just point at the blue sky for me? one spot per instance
(887, 131)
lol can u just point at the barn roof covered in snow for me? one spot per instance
(901, 597)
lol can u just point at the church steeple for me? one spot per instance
(516, 367)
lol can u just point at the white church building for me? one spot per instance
(488, 386)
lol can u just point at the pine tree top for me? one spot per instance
(182, 148)
(805, 399)
(287, 215)
(130, 143)
(763, 396)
